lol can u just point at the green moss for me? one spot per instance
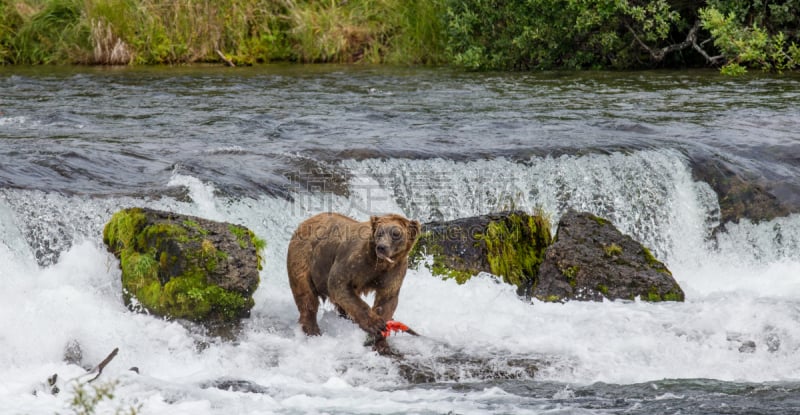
(648, 256)
(428, 245)
(144, 252)
(241, 235)
(599, 220)
(245, 236)
(123, 227)
(571, 273)
(552, 299)
(653, 262)
(417, 253)
(155, 235)
(612, 250)
(439, 268)
(603, 289)
(515, 246)
(654, 296)
(196, 226)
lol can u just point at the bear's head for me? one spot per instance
(393, 236)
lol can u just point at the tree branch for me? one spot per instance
(99, 368)
(224, 58)
(691, 41)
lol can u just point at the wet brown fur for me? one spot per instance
(334, 257)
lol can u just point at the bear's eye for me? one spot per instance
(396, 234)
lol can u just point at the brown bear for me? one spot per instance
(334, 256)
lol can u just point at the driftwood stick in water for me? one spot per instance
(224, 58)
(99, 368)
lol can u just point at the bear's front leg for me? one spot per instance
(357, 310)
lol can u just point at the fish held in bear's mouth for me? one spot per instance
(386, 258)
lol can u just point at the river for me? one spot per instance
(268, 146)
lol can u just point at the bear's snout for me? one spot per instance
(382, 251)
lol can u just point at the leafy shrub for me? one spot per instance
(752, 36)
(532, 34)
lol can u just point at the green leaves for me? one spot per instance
(471, 34)
(543, 34)
(751, 45)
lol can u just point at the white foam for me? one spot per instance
(18, 120)
(649, 194)
(729, 304)
(201, 193)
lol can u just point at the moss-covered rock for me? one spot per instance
(185, 267)
(591, 259)
(508, 244)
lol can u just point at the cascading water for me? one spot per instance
(475, 333)
(648, 194)
(266, 147)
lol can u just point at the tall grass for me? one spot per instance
(333, 31)
(182, 31)
(247, 31)
(420, 32)
(42, 31)
(396, 31)
(141, 31)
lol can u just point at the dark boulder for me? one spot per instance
(745, 194)
(185, 267)
(508, 244)
(590, 260)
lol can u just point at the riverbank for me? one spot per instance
(472, 34)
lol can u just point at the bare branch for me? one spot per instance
(224, 58)
(99, 368)
(691, 41)
(713, 60)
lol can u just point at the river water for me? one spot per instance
(269, 146)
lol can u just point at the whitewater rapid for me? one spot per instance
(740, 321)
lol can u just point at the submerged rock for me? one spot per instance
(236, 385)
(185, 267)
(743, 194)
(591, 260)
(508, 244)
(460, 367)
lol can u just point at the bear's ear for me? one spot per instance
(414, 228)
(374, 220)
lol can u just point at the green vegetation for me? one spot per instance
(88, 399)
(754, 34)
(429, 245)
(545, 34)
(602, 288)
(140, 31)
(515, 246)
(571, 273)
(612, 250)
(471, 34)
(653, 262)
(244, 31)
(552, 299)
(149, 267)
(245, 236)
(654, 297)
